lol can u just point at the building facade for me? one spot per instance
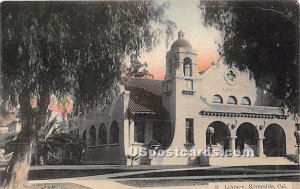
(219, 110)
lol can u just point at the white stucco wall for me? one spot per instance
(182, 104)
(205, 86)
(103, 153)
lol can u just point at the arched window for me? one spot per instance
(92, 136)
(246, 101)
(102, 134)
(187, 67)
(217, 99)
(231, 100)
(114, 132)
(84, 136)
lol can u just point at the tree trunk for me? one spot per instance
(16, 172)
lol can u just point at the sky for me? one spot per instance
(187, 16)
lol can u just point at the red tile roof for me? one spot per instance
(145, 95)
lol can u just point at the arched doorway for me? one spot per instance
(219, 138)
(275, 141)
(114, 133)
(246, 141)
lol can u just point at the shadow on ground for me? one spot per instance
(70, 173)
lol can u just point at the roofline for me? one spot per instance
(152, 113)
(140, 78)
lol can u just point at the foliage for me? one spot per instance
(262, 36)
(68, 49)
(73, 48)
(138, 69)
(132, 158)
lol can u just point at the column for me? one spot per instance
(131, 133)
(232, 145)
(260, 147)
(126, 135)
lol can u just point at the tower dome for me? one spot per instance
(181, 42)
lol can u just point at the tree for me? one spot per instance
(263, 37)
(138, 69)
(67, 48)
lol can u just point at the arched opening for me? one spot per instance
(219, 138)
(84, 136)
(231, 100)
(247, 136)
(114, 132)
(187, 67)
(92, 136)
(246, 101)
(275, 141)
(217, 99)
(162, 133)
(102, 134)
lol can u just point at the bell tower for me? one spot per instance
(181, 60)
(181, 72)
(181, 88)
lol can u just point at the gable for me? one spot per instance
(228, 82)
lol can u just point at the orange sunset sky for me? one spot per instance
(187, 16)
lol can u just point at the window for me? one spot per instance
(114, 133)
(217, 99)
(187, 67)
(139, 131)
(231, 76)
(189, 85)
(246, 101)
(231, 100)
(189, 126)
(102, 134)
(92, 139)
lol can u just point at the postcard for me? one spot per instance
(150, 94)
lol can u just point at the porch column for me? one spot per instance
(232, 145)
(260, 147)
(131, 133)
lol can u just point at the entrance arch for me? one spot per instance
(247, 136)
(220, 137)
(275, 141)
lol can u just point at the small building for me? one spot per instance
(219, 110)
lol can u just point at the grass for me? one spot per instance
(248, 170)
(57, 186)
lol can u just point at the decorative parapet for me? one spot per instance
(242, 114)
(244, 109)
(224, 110)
